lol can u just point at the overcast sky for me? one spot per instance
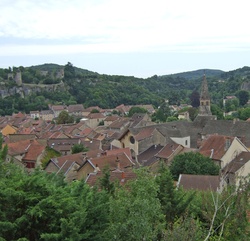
(127, 37)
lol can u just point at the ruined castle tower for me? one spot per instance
(18, 77)
(204, 109)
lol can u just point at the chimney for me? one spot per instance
(123, 177)
(97, 169)
(118, 163)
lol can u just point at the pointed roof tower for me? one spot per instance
(204, 109)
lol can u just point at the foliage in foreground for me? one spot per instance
(37, 206)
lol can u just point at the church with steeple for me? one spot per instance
(205, 103)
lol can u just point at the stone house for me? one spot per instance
(47, 115)
(76, 110)
(57, 109)
(119, 162)
(35, 114)
(236, 171)
(94, 119)
(66, 165)
(115, 176)
(139, 139)
(25, 153)
(222, 149)
(8, 130)
(63, 145)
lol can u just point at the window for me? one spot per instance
(186, 142)
(132, 140)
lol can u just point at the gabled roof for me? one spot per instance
(113, 161)
(215, 146)
(19, 147)
(8, 129)
(34, 150)
(58, 107)
(120, 123)
(148, 156)
(85, 132)
(93, 108)
(63, 144)
(237, 163)
(112, 118)
(75, 108)
(60, 161)
(96, 116)
(168, 150)
(199, 182)
(144, 133)
(119, 151)
(121, 177)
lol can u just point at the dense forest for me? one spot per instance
(108, 91)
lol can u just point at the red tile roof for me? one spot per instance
(121, 177)
(168, 150)
(119, 151)
(144, 133)
(113, 161)
(199, 182)
(35, 149)
(17, 148)
(215, 146)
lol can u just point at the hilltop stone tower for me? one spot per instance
(18, 77)
(204, 109)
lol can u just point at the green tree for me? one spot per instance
(216, 110)
(195, 99)
(136, 109)
(65, 118)
(244, 113)
(78, 148)
(193, 163)
(174, 202)
(105, 183)
(135, 211)
(95, 111)
(193, 112)
(162, 113)
(69, 71)
(243, 96)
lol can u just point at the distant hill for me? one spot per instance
(55, 84)
(196, 74)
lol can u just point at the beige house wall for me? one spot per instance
(235, 149)
(93, 123)
(116, 143)
(84, 171)
(47, 117)
(72, 173)
(242, 173)
(184, 141)
(51, 168)
(126, 143)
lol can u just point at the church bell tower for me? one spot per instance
(204, 109)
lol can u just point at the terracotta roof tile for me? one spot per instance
(121, 177)
(118, 151)
(199, 182)
(20, 147)
(113, 161)
(144, 133)
(168, 150)
(215, 146)
(35, 149)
